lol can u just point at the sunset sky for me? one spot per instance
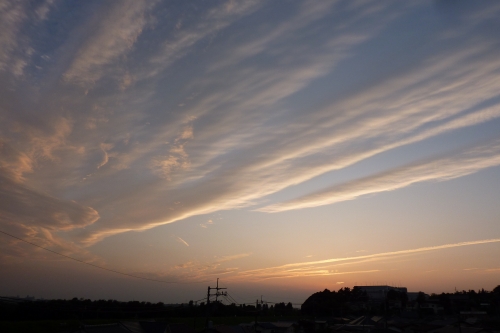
(284, 147)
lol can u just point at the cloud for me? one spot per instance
(35, 147)
(15, 19)
(216, 19)
(208, 223)
(105, 159)
(308, 12)
(13, 250)
(233, 257)
(271, 105)
(493, 270)
(39, 222)
(402, 252)
(238, 157)
(176, 158)
(112, 37)
(441, 169)
(43, 146)
(43, 10)
(181, 240)
(270, 100)
(324, 267)
(12, 16)
(287, 274)
(14, 164)
(20, 204)
(197, 271)
(333, 142)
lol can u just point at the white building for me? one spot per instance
(379, 293)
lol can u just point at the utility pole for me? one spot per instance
(217, 294)
(256, 315)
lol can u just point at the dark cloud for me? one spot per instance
(20, 204)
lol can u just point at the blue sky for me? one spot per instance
(282, 147)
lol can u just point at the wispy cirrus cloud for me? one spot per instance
(440, 169)
(125, 117)
(182, 241)
(215, 139)
(15, 20)
(14, 163)
(199, 270)
(302, 274)
(39, 218)
(330, 266)
(492, 270)
(273, 106)
(12, 16)
(27, 206)
(112, 37)
(208, 223)
(186, 36)
(176, 157)
(238, 161)
(233, 257)
(15, 251)
(105, 159)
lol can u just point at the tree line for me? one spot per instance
(85, 309)
(355, 301)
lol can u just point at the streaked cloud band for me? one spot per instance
(326, 266)
(441, 169)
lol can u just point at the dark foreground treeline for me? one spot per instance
(81, 309)
(471, 300)
(354, 301)
(344, 302)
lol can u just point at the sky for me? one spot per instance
(282, 147)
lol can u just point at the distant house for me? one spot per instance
(379, 293)
(434, 307)
(412, 306)
(413, 296)
(460, 301)
(395, 304)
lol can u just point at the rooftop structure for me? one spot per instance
(379, 293)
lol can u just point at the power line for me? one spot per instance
(96, 266)
(232, 298)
